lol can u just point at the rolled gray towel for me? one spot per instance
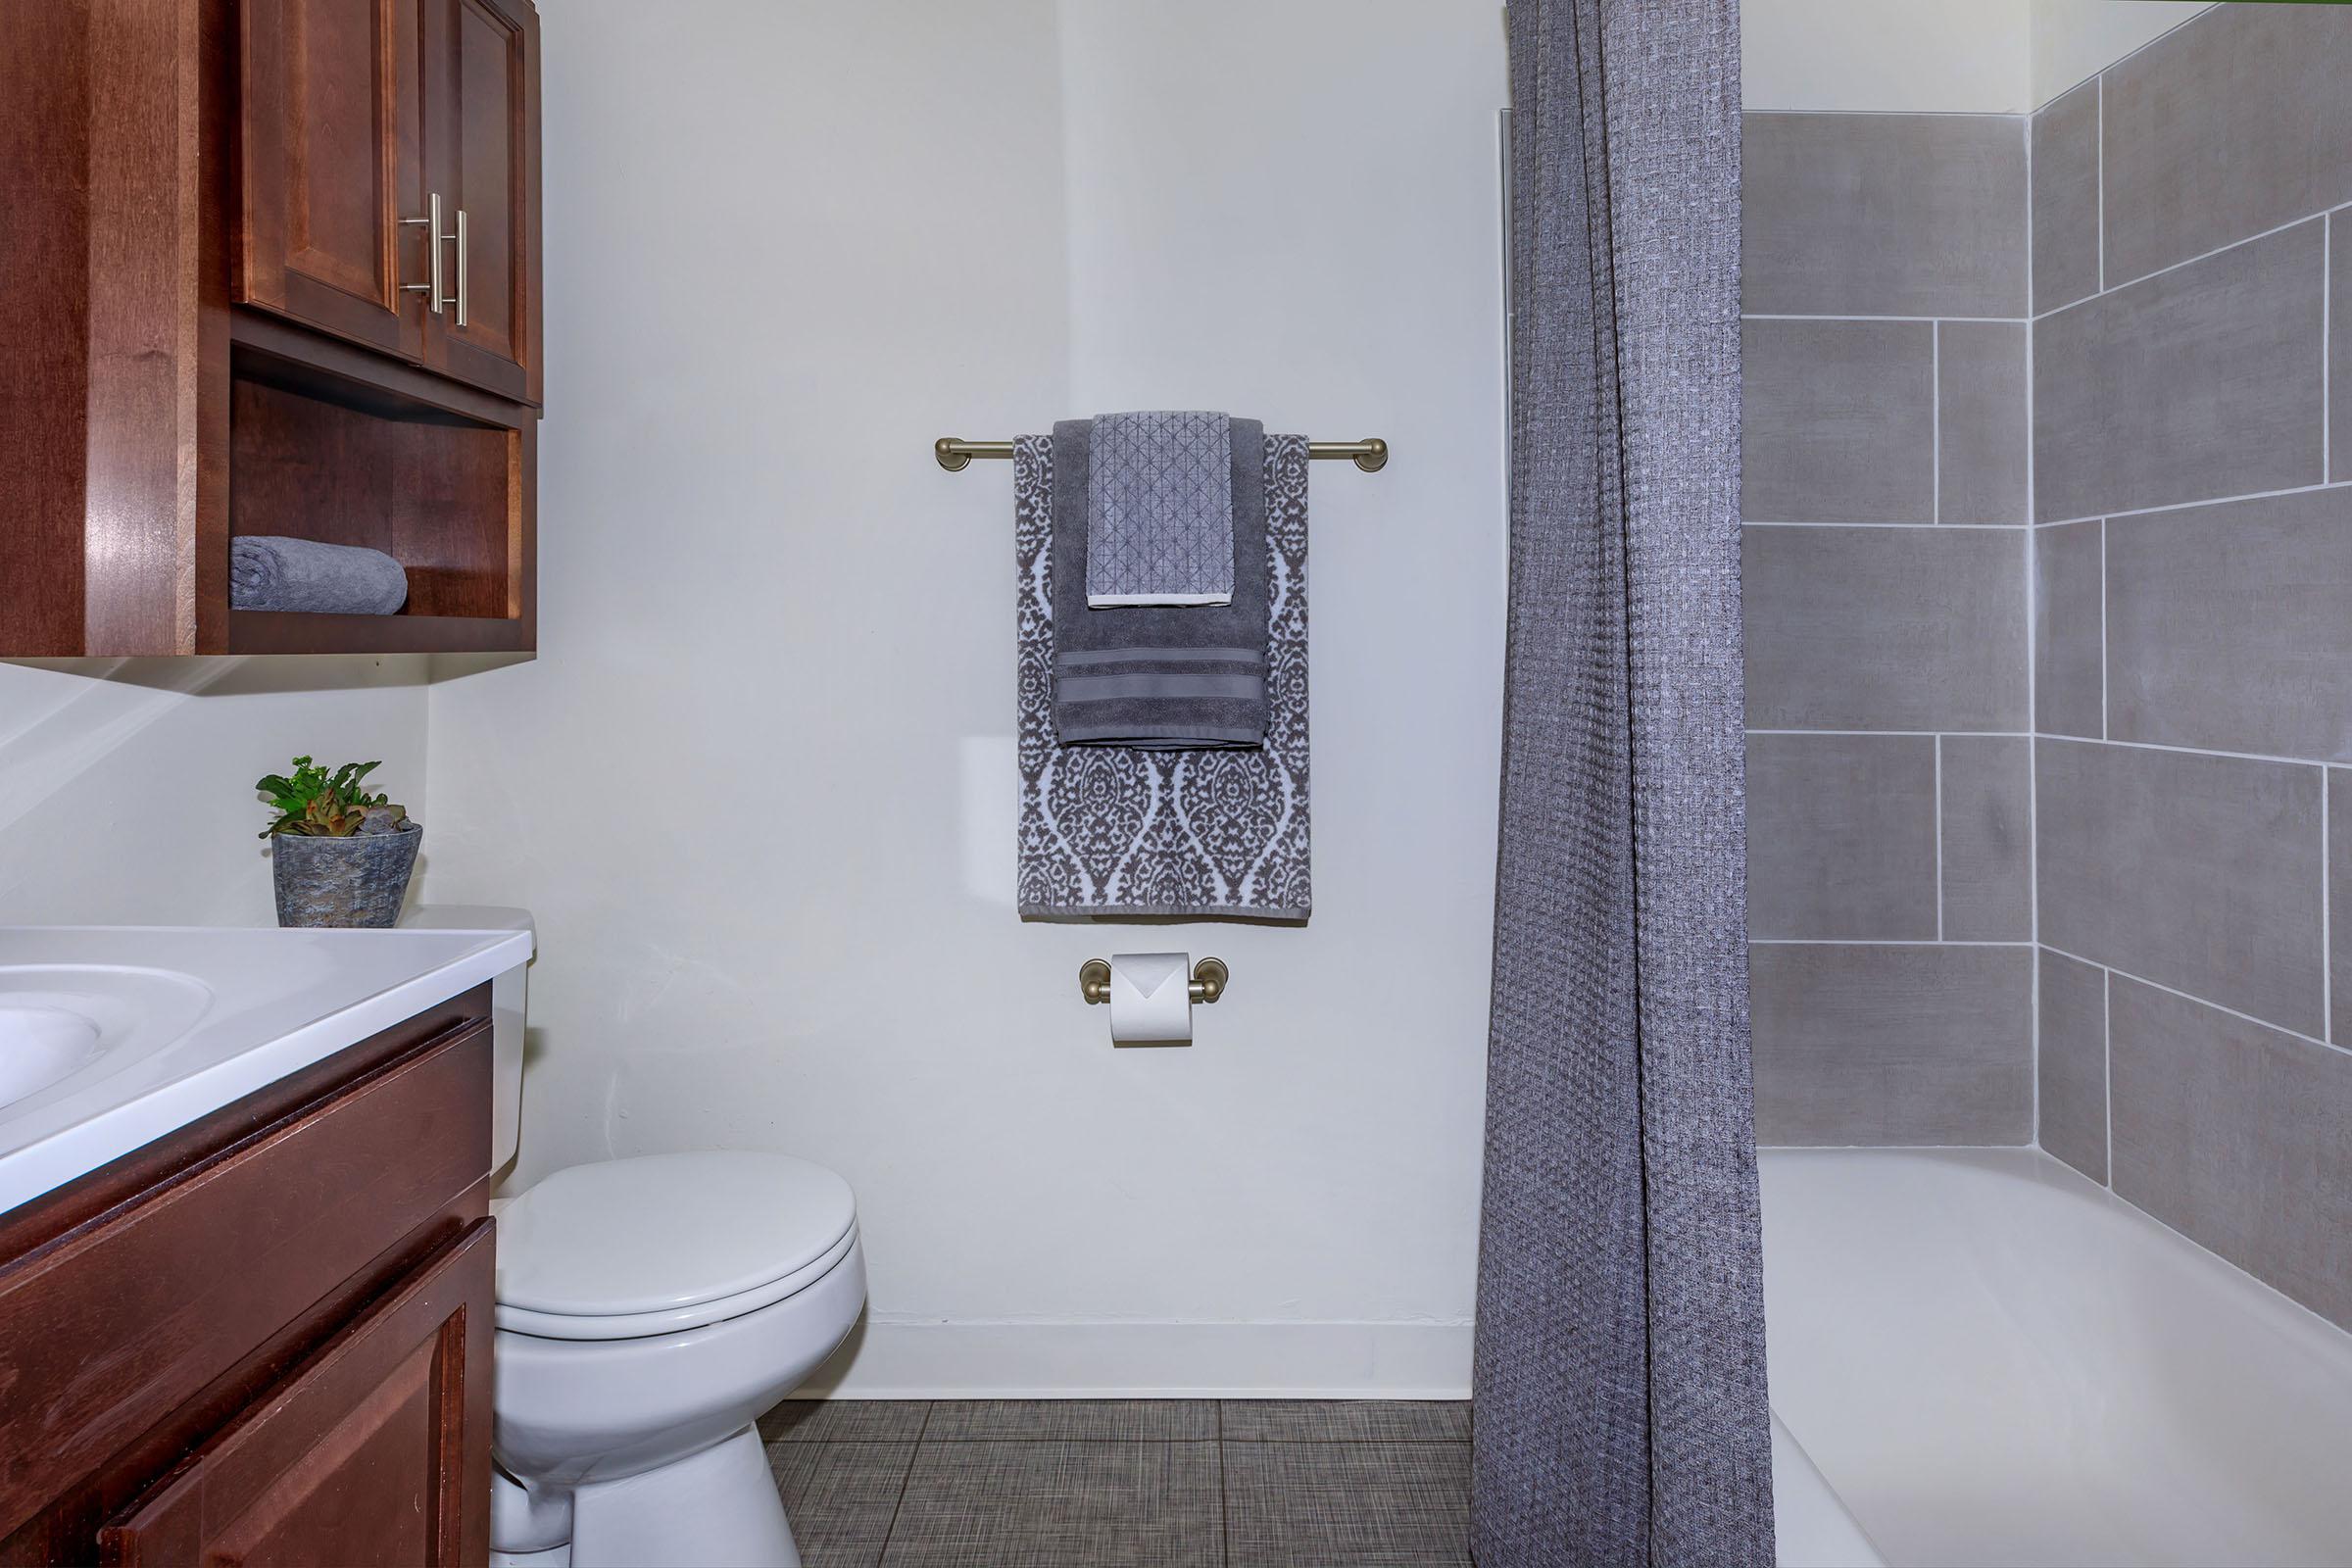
(268, 572)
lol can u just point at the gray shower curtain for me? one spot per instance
(1621, 1414)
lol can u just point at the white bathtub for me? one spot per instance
(1980, 1357)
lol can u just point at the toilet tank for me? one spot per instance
(506, 1016)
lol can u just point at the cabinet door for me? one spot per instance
(330, 114)
(376, 1449)
(482, 154)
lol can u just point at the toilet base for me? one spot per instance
(713, 1509)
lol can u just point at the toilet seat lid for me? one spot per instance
(663, 1232)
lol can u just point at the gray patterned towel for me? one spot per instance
(1121, 831)
(269, 573)
(1159, 502)
(1174, 677)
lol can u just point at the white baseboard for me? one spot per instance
(1124, 1359)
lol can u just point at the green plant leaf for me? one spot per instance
(316, 803)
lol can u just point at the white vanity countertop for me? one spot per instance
(189, 1019)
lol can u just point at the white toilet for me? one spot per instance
(648, 1311)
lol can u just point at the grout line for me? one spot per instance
(2128, 512)
(1888, 942)
(1940, 838)
(1037, 1437)
(2106, 289)
(2032, 679)
(915, 1452)
(1935, 421)
(1954, 528)
(2204, 1001)
(1972, 734)
(1797, 316)
(2077, 740)
(2191, 750)
(1877, 113)
(1224, 1494)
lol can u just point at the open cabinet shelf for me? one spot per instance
(446, 494)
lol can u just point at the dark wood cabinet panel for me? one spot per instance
(217, 191)
(163, 1304)
(482, 105)
(391, 178)
(330, 115)
(369, 1453)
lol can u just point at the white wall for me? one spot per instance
(1937, 55)
(759, 785)
(1886, 56)
(127, 784)
(2075, 39)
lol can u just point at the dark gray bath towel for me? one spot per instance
(1178, 678)
(268, 572)
(1114, 830)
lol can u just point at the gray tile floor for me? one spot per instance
(1124, 1483)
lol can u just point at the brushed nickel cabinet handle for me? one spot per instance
(462, 248)
(431, 220)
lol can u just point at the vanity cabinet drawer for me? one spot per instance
(361, 1456)
(122, 1325)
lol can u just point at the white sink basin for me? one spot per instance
(64, 1025)
(39, 1045)
(113, 1036)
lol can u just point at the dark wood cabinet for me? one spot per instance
(390, 174)
(329, 110)
(271, 238)
(266, 1339)
(361, 1456)
(482, 90)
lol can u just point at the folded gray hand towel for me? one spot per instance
(1162, 678)
(1160, 509)
(269, 573)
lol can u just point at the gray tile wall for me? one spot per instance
(2220, 133)
(1908, 1042)
(1839, 421)
(1887, 452)
(2066, 199)
(2184, 387)
(1884, 215)
(2071, 1062)
(2051, 824)
(2193, 632)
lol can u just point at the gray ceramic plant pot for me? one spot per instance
(353, 881)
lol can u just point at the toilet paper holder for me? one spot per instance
(1208, 984)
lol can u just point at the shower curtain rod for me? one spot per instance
(1370, 455)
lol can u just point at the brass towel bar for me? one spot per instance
(954, 454)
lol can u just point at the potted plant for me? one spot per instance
(341, 855)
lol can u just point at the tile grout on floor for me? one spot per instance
(977, 1488)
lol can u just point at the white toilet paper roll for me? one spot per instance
(1150, 999)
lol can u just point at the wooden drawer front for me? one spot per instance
(376, 1450)
(108, 1330)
